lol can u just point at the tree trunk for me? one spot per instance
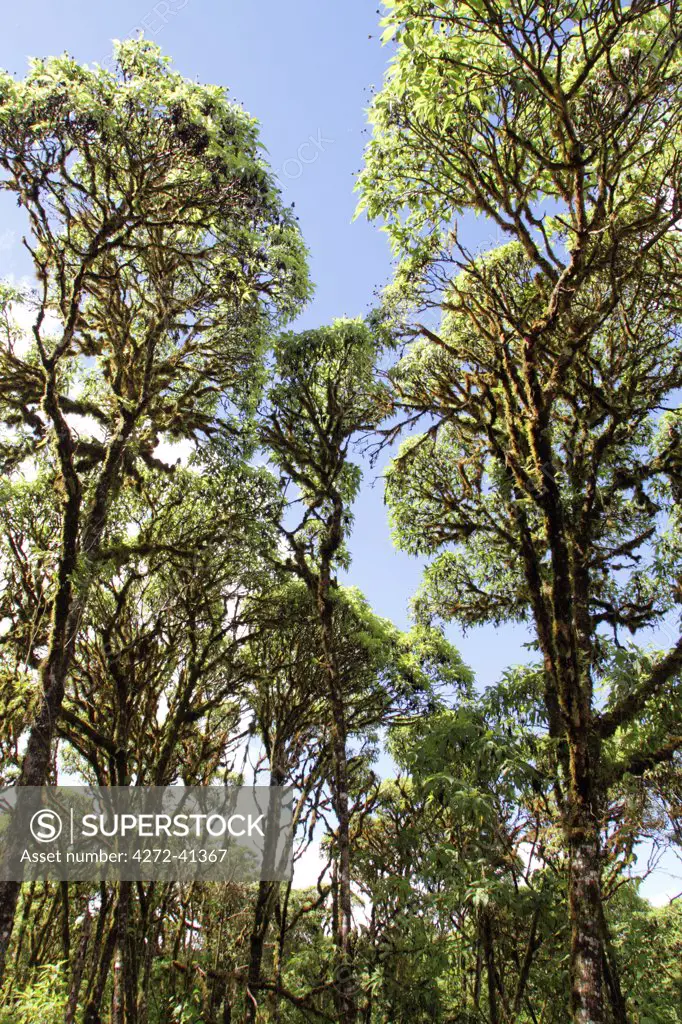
(612, 976)
(127, 954)
(266, 889)
(321, 586)
(344, 975)
(66, 931)
(489, 954)
(25, 913)
(584, 898)
(149, 931)
(345, 982)
(524, 972)
(9, 895)
(34, 772)
(92, 1013)
(117, 995)
(261, 921)
(78, 969)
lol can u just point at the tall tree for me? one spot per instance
(324, 397)
(384, 676)
(163, 258)
(553, 461)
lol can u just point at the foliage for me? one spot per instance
(546, 481)
(186, 613)
(43, 1000)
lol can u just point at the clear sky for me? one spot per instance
(305, 69)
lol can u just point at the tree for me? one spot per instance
(465, 898)
(550, 469)
(163, 259)
(289, 717)
(384, 676)
(324, 397)
(157, 687)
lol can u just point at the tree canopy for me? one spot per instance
(181, 467)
